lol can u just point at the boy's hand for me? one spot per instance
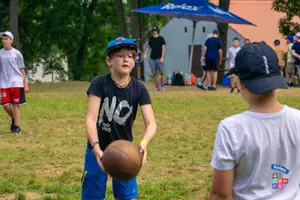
(161, 60)
(145, 56)
(26, 88)
(99, 155)
(143, 151)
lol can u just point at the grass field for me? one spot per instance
(46, 160)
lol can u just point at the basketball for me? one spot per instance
(122, 160)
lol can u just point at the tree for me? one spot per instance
(134, 20)
(4, 14)
(13, 21)
(121, 17)
(81, 53)
(291, 9)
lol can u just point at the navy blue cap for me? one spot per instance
(120, 42)
(155, 28)
(216, 31)
(277, 42)
(256, 65)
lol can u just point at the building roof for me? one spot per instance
(261, 14)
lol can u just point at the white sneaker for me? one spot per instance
(162, 89)
(156, 89)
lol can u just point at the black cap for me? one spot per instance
(277, 42)
(155, 28)
(256, 65)
(216, 31)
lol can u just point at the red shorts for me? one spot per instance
(14, 96)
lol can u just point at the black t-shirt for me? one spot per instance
(156, 46)
(296, 47)
(118, 108)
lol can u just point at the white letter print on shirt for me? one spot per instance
(112, 113)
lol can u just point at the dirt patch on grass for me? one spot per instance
(28, 196)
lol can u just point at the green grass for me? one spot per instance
(47, 158)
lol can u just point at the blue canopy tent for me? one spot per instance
(194, 10)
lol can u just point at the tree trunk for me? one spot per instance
(81, 53)
(13, 21)
(134, 20)
(223, 28)
(121, 17)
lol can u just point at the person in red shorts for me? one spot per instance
(13, 84)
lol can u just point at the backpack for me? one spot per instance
(178, 80)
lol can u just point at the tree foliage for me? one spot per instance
(53, 32)
(291, 9)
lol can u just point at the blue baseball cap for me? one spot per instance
(256, 65)
(120, 42)
(290, 38)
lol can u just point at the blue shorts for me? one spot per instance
(94, 182)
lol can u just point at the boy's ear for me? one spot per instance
(240, 83)
(108, 61)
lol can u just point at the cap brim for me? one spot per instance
(266, 84)
(130, 46)
(3, 34)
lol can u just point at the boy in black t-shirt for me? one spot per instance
(113, 101)
(296, 54)
(157, 45)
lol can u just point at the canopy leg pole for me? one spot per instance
(192, 48)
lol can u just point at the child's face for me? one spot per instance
(121, 62)
(6, 42)
(236, 43)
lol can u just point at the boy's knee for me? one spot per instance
(7, 107)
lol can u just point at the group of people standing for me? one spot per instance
(212, 58)
(293, 59)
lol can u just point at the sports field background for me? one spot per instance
(46, 160)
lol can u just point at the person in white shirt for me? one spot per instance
(257, 153)
(13, 84)
(290, 66)
(231, 54)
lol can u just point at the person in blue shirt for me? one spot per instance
(213, 58)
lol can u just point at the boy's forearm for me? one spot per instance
(204, 51)
(147, 50)
(91, 131)
(228, 62)
(150, 131)
(220, 54)
(294, 53)
(214, 196)
(24, 76)
(163, 51)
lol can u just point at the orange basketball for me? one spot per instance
(122, 160)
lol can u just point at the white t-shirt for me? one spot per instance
(255, 144)
(290, 57)
(232, 51)
(11, 61)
